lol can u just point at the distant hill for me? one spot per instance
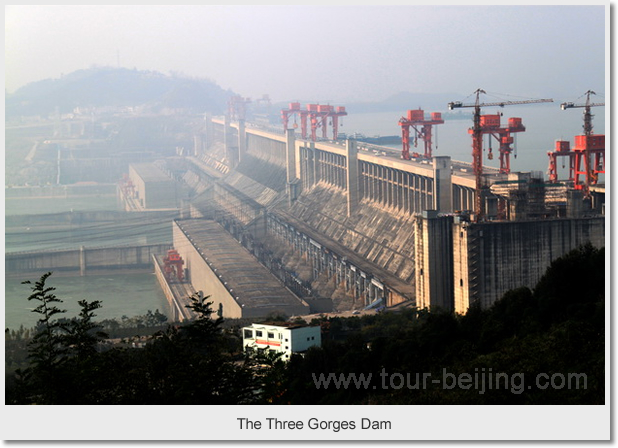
(399, 102)
(98, 87)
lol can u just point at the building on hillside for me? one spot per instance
(281, 338)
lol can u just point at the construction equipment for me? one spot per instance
(172, 266)
(422, 130)
(587, 115)
(291, 111)
(334, 116)
(237, 107)
(586, 146)
(477, 142)
(318, 115)
(490, 125)
(562, 149)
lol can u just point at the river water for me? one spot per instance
(121, 293)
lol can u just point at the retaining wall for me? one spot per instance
(83, 260)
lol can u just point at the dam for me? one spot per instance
(357, 224)
(333, 225)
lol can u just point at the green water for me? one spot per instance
(120, 294)
(36, 206)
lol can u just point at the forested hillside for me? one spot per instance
(109, 87)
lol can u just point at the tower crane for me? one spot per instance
(587, 115)
(586, 146)
(477, 141)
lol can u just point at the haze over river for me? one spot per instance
(133, 294)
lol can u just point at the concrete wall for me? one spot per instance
(350, 273)
(154, 190)
(87, 218)
(379, 225)
(84, 260)
(61, 191)
(202, 278)
(493, 258)
(375, 233)
(434, 261)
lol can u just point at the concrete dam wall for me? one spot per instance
(378, 237)
(83, 260)
(492, 258)
(61, 191)
(376, 234)
(79, 218)
(351, 214)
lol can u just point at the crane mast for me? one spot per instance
(587, 115)
(477, 142)
(586, 146)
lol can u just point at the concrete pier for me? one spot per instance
(352, 184)
(83, 260)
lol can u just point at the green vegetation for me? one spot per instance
(556, 329)
(70, 363)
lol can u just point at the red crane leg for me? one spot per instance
(405, 140)
(335, 127)
(303, 125)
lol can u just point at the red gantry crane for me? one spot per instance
(334, 116)
(318, 116)
(422, 130)
(477, 142)
(291, 111)
(589, 148)
(237, 106)
(490, 124)
(172, 266)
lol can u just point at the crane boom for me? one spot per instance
(565, 106)
(457, 104)
(477, 142)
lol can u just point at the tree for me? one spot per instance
(46, 350)
(82, 334)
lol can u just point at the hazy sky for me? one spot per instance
(321, 53)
